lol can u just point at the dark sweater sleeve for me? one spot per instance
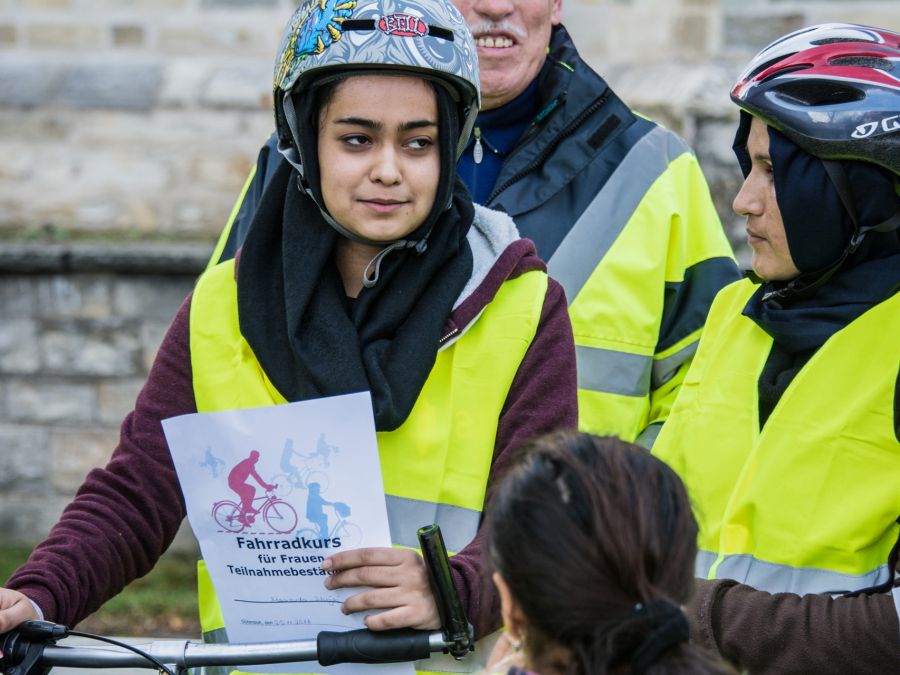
(787, 633)
(542, 398)
(124, 515)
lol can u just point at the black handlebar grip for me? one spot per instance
(365, 646)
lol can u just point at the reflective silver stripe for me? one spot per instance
(703, 563)
(612, 371)
(219, 637)
(774, 578)
(647, 437)
(406, 516)
(664, 369)
(601, 223)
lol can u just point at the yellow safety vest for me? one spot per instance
(808, 503)
(435, 466)
(651, 222)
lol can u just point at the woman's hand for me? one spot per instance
(399, 585)
(15, 608)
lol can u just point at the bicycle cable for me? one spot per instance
(156, 662)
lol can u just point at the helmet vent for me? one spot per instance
(816, 92)
(835, 40)
(771, 62)
(785, 71)
(864, 62)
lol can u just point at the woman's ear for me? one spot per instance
(510, 610)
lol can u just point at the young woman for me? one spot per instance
(787, 427)
(368, 269)
(593, 543)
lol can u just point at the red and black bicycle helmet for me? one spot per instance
(833, 89)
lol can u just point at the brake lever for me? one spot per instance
(23, 647)
(458, 632)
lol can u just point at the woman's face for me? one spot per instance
(378, 154)
(756, 200)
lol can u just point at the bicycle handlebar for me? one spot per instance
(26, 651)
(31, 649)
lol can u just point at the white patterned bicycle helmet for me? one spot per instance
(833, 89)
(423, 37)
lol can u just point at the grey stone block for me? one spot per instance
(90, 348)
(74, 453)
(19, 353)
(115, 399)
(18, 295)
(38, 401)
(27, 518)
(151, 298)
(180, 259)
(75, 297)
(755, 32)
(152, 335)
(24, 459)
(29, 83)
(241, 86)
(128, 36)
(126, 85)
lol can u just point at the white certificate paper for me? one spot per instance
(270, 493)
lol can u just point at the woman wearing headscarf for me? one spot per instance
(787, 430)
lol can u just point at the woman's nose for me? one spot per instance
(386, 169)
(745, 201)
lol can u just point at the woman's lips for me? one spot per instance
(382, 206)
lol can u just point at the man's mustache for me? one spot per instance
(504, 26)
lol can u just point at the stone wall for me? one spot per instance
(81, 326)
(124, 122)
(142, 117)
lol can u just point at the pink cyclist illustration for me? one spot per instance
(235, 517)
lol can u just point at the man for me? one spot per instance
(787, 431)
(617, 205)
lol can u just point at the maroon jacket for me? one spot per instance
(126, 514)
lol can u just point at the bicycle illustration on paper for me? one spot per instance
(276, 513)
(307, 472)
(237, 516)
(350, 534)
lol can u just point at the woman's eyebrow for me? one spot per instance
(377, 126)
(417, 124)
(360, 122)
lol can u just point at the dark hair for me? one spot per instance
(596, 540)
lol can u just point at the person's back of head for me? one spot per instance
(595, 541)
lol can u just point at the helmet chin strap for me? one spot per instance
(419, 245)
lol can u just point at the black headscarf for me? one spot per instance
(818, 229)
(312, 343)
